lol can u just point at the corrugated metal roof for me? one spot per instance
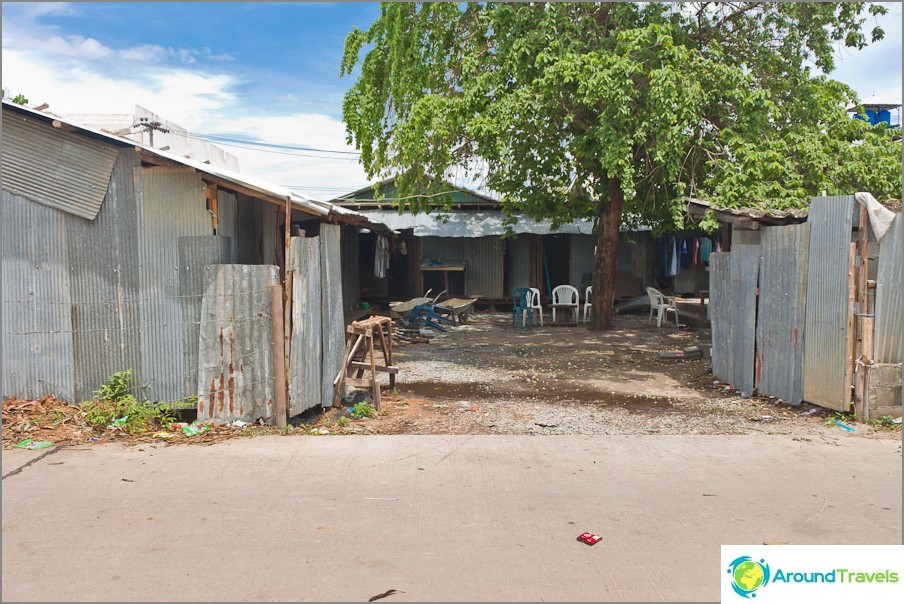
(469, 224)
(826, 352)
(266, 190)
(698, 207)
(55, 168)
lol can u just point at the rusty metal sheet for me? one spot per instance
(889, 297)
(306, 352)
(828, 306)
(332, 313)
(53, 167)
(782, 312)
(733, 283)
(37, 330)
(235, 376)
(351, 277)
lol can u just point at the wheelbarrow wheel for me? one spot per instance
(463, 318)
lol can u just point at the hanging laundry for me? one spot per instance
(695, 256)
(685, 255)
(706, 248)
(673, 258)
(381, 256)
(718, 246)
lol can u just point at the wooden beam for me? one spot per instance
(279, 367)
(387, 369)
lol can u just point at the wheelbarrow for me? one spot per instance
(403, 309)
(460, 308)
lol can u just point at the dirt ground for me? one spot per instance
(487, 377)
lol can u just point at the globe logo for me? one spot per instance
(748, 575)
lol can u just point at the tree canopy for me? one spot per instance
(599, 110)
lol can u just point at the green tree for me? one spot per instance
(615, 109)
(19, 99)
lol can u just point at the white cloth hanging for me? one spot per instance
(381, 256)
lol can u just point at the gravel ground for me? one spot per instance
(487, 377)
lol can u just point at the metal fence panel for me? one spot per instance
(332, 313)
(828, 305)
(235, 377)
(782, 312)
(103, 260)
(172, 205)
(37, 329)
(733, 282)
(889, 297)
(305, 360)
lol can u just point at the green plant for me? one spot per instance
(113, 404)
(362, 410)
(886, 421)
(342, 422)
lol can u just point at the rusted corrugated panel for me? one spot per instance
(306, 360)
(889, 298)
(484, 267)
(55, 168)
(235, 377)
(103, 257)
(172, 205)
(828, 307)
(782, 312)
(733, 283)
(37, 330)
(518, 262)
(332, 313)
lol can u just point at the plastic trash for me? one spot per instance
(118, 423)
(195, 428)
(319, 431)
(896, 421)
(843, 425)
(166, 435)
(589, 538)
(239, 424)
(32, 444)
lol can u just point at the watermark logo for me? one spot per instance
(748, 575)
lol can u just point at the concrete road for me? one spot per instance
(435, 517)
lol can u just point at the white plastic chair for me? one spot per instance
(534, 303)
(587, 304)
(662, 305)
(567, 297)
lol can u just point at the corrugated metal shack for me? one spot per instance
(812, 311)
(467, 240)
(109, 249)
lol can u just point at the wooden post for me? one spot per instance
(861, 303)
(212, 205)
(279, 366)
(851, 327)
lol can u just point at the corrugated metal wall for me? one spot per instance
(332, 310)
(306, 358)
(483, 257)
(60, 169)
(37, 329)
(172, 205)
(103, 256)
(828, 305)
(581, 261)
(782, 312)
(517, 263)
(235, 380)
(733, 283)
(889, 297)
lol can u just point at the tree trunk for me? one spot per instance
(609, 212)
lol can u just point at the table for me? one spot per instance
(446, 268)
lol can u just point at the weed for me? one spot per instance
(362, 410)
(113, 404)
(840, 416)
(342, 422)
(886, 421)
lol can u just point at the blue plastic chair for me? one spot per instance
(521, 307)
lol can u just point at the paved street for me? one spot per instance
(435, 517)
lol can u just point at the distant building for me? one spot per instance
(878, 111)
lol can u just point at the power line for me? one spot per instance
(235, 141)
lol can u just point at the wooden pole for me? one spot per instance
(212, 205)
(861, 306)
(851, 326)
(279, 366)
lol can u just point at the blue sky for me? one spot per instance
(263, 70)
